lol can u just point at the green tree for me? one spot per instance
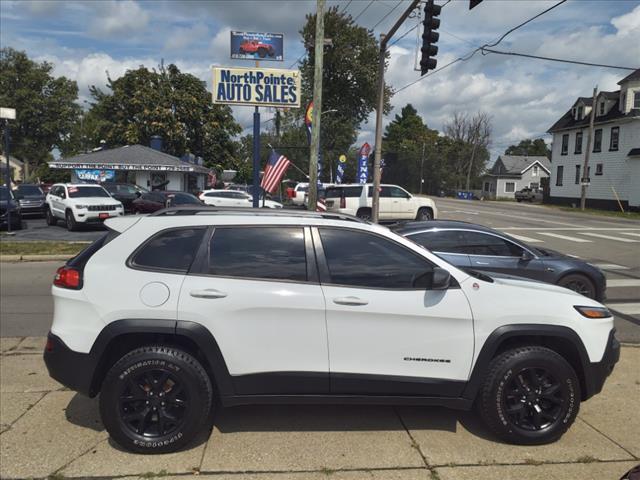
(349, 83)
(175, 105)
(46, 108)
(529, 147)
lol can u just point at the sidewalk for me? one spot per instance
(49, 431)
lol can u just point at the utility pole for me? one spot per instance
(585, 168)
(7, 114)
(378, 149)
(317, 108)
(424, 144)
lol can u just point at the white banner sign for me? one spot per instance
(266, 87)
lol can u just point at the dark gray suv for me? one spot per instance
(475, 247)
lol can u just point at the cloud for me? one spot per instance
(180, 38)
(118, 17)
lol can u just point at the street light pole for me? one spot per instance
(7, 114)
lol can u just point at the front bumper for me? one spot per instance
(595, 374)
(85, 216)
(72, 369)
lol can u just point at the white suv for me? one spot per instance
(270, 306)
(234, 198)
(395, 202)
(80, 204)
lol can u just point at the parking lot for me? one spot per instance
(344, 442)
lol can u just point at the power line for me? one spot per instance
(575, 62)
(364, 10)
(388, 13)
(473, 52)
(405, 34)
(344, 9)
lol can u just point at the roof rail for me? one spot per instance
(262, 212)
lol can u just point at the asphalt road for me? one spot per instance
(36, 229)
(613, 244)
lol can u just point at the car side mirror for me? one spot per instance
(526, 256)
(436, 279)
(138, 194)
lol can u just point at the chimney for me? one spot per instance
(156, 142)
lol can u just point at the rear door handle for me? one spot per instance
(207, 293)
(353, 301)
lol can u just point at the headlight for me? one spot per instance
(81, 206)
(593, 312)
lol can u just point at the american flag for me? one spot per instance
(274, 171)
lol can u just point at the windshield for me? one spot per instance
(83, 192)
(183, 199)
(4, 194)
(29, 190)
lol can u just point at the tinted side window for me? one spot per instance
(360, 259)
(450, 241)
(483, 244)
(274, 253)
(171, 250)
(398, 192)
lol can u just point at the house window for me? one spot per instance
(578, 148)
(599, 169)
(560, 172)
(613, 142)
(601, 108)
(534, 185)
(597, 140)
(486, 187)
(580, 112)
(565, 144)
(509, 187)
(577, 174)
(534, 172)
(636, 99)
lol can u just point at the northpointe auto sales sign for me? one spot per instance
(264, 87)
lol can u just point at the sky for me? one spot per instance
(86, 39)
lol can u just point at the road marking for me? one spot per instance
(565, 237)
(527, 239)
(631, 233)
(625, 308)
(609, 237)
(610, 266)
(623, 282)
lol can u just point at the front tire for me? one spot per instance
(155, 399)
(424, 214)
(262, 52)
(364, 214)
(72, 225)
(578, 283)
(531, 396)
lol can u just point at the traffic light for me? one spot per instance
(430, 37)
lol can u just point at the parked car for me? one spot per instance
(31, 198)
(529, 195)
(395, 202)
(233, 308)
(466, 245)
(79, 204)
(233, 198)
(299, 194)
(10, 211)
(125, 193)
(255, 46)
(153, 201)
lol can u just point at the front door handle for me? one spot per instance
(482, 263)
(353, 301)
(207, 293)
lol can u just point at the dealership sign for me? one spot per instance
(266, 87)
(257, 46)
(95, 174)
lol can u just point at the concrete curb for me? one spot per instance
(34, 258)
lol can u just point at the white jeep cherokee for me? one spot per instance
(80, 204)
(282, 307)
(395, 202)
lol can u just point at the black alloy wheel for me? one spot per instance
(364, 214)
(424, 214)
(580, 284)
(533, 399)
(153, 403)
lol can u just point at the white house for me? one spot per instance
(614, 163)
(511, 173)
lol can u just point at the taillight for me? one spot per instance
(67, 277)
(343, 202)
(293, 194)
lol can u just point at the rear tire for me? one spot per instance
(72, 225)
(531, 396)
(155, 399)
(424, 214)
(364, 214)
(578, 283)
(50, 218)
